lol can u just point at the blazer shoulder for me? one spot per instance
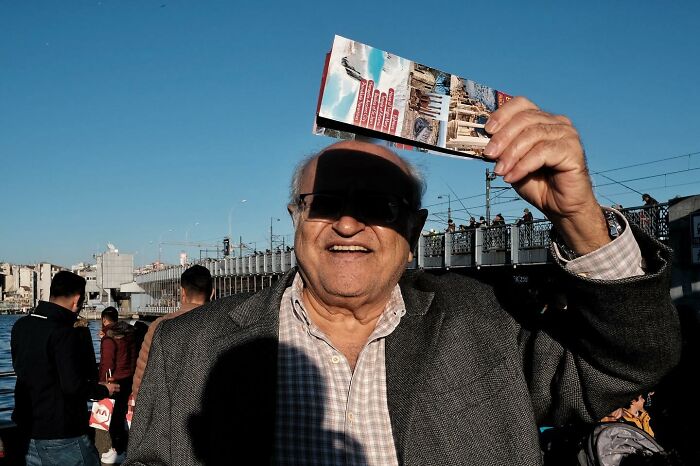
(441, 282)
(209, 318)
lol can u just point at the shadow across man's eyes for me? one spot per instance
(242, 420)
(344, 171)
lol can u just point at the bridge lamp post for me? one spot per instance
(160, 243)
(187, 236)
(449, 204)
(271, 219)
(230, 214)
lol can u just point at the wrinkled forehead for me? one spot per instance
(344, 170)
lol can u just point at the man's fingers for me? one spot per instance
(539, 156)
(531, 136)
(513, 129)
(503, 115)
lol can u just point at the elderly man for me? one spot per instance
(350, 359)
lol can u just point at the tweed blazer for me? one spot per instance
(470, 376)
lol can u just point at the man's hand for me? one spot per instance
(111, 387)
(541, 155)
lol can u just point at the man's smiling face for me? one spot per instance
(358, 255)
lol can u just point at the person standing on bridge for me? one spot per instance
(54, 382)
(196, 289)
(118, 353)
(350, 358)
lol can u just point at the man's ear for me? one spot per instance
(293, 211)
(414, 229)
(74, 301)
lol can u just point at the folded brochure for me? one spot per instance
(371, 93)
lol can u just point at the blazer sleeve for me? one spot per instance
(615, 339)
(143, 357)
(150, 436)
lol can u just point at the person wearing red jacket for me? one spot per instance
(118, 353)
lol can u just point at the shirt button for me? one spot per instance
(350, 417)
(335, 359)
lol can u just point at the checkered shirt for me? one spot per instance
(618, 259)
(326, 414)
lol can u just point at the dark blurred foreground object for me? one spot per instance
(610, 442)
(662, 458)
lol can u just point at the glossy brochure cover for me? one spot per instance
(375, 94)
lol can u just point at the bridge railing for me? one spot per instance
(534, 234)
(653, 219)
(513, 245)
(495, 238)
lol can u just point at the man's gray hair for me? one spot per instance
(415, 175)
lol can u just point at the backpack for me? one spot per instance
(609, 442)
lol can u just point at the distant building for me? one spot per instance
(93, 293)
(44, 274)
(23, 286)
(109, 282)
(113, 271)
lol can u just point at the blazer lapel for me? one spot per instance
(407, 349)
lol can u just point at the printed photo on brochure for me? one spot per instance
(372, 93)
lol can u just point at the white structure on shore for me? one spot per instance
(109, 282)
(23, 286)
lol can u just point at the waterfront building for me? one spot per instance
(17, 286)
(109, 282)
(44, 274)
(113, 275)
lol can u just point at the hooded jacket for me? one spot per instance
(118, 351)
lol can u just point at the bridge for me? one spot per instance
(495, 246)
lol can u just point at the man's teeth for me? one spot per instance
(349, 248)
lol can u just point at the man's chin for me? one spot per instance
(345, 290)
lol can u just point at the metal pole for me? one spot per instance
(488, 197)
(271, 236)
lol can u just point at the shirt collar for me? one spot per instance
(389, 320)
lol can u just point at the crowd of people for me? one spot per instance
(498, 220)
(58, 373)
(350, 358)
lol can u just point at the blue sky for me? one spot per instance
(123, 120)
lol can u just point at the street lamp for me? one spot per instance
(186, 249)
(160, 243)
(491, 176)
(271, 219)
(449, 204)
(187, 232)
(230, 213)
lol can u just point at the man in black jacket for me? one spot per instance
(53, 381)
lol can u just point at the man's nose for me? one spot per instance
(347, 225)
